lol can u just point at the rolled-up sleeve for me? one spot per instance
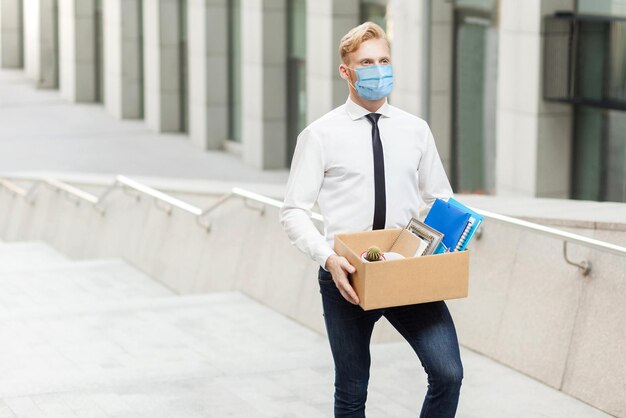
(433, 181)
(303, 187)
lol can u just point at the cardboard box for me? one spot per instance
(406, 281)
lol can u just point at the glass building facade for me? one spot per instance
(296, 73)
(599, 163)
(465, 84)
(374, 11)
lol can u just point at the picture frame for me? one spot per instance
(430, 237)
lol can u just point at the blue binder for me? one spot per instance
(473, 224)
(449, 220)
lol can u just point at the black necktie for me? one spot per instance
(380, 206)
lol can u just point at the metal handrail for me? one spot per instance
(158, 195)
(13, 188)
(554, 233)
(269, 201)
(71, 190)
(141, 189)
(200, 214)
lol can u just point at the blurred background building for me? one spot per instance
(167, 293)
(525, 98)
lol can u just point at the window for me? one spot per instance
(374, 11)
(585, 65)
(183, 62)
(50, 65)
(482, 5)
(613, 8)
(140, 69)
(296, 73)
(99, 52)
(234, 65)
(474, 94)
(585, 60)
(599, 163)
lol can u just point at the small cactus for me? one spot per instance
(373, 254)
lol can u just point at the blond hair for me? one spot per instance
(352, 40)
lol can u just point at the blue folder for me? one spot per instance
(475, 220)
(449, 220)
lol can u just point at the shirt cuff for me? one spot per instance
(323, 256)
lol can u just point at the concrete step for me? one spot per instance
(76, 282)
(222, 355)
(110, 343)
(24, 255)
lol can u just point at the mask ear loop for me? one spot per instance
(348, 81)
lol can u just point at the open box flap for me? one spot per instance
(406, 244)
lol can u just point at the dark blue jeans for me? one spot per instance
(428, 328)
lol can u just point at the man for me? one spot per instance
(369, 165)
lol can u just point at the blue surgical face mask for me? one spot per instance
(373, 82)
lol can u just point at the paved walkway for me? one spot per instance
(39, 131)
(100, 339)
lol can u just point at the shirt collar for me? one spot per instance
(356, 111)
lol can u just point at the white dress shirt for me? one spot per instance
(333, 165)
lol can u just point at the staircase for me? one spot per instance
(99, 338)
(33, 275)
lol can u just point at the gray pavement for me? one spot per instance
(104, 340)
(39, 131)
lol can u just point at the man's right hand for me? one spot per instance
(339, 267)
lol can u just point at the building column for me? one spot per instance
(32, 39)
(408, 49)
(41, 61)
(328, 21)
(440, 78)
(421, 43)
(77, 50)
(264, 52)
(162, 89)
(533, 137)
(208, 72)
(122, 58)
(11, 34)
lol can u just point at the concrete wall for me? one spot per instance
(122, 58)
(531, 311)
(11, 34)
(526, 308)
